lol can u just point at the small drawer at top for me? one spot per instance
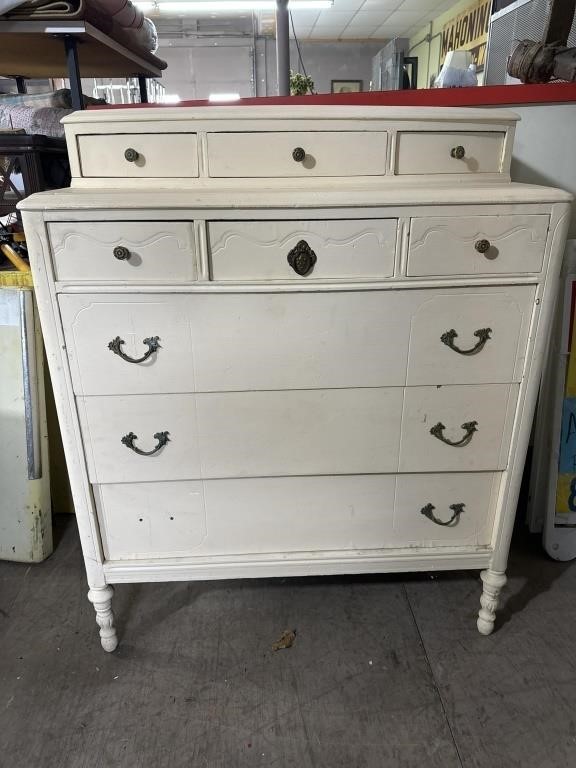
(302, 250)
(133, 251)
(448, 152)
(297, 153)
(138, 155)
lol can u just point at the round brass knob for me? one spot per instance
(131, 155)
(298, 154)
(482, 245)
(121, 252)
(457, 152)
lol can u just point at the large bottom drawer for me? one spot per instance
(261, 515)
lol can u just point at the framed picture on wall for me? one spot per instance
(346, 86)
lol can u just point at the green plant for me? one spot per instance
(300, 84)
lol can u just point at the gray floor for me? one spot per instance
(386, 671)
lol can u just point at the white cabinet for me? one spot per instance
(273, 356)
(25, 508)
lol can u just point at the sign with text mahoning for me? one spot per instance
(468, 31)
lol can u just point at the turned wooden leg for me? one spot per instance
(101, 599)
(493, 583)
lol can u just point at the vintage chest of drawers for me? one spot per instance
(294, 340)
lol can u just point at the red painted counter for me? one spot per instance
(481, 96)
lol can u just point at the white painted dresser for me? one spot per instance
(294, 340)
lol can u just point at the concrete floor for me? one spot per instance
(386, 671)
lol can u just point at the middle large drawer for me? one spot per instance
(222, 342)
(298, 432)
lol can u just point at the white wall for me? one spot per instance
(197, 67)
(544, 148)
(325, 62)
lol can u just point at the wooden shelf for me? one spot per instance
(34, 49)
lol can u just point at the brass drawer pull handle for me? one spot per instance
(469, 428)
(121, 253)
(428, 511)
(483, 334)
(161, 437)
(152, 344)
(302, 258)
(298, 154)
(131, 155)
(458, 152)
(482, 246)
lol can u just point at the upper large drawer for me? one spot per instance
(449, 152)
(267, 341)
(468, 245)
(135, 251)
(295, 153)
(138, 155)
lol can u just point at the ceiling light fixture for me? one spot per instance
(189, 6)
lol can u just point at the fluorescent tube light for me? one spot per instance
(224, 97)
(189, 6)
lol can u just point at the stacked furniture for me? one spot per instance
(294, 340)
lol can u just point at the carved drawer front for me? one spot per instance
(138, 155)
(302, 250)
(445, 509)
(457, 428)
(256, 515)
(134, 251)
(299, 154)
(241, 434)
(470, 336)
(449, 152)
(477, 245)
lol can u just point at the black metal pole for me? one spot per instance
(143, 89)
(283, 47)
(70, 45)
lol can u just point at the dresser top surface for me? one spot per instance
(295, 197)
(296, 112)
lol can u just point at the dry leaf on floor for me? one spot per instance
(286, 640)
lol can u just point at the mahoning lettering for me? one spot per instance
(466, 29)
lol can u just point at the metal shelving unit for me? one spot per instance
(66, 48)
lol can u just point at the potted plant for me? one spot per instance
(300, 84)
